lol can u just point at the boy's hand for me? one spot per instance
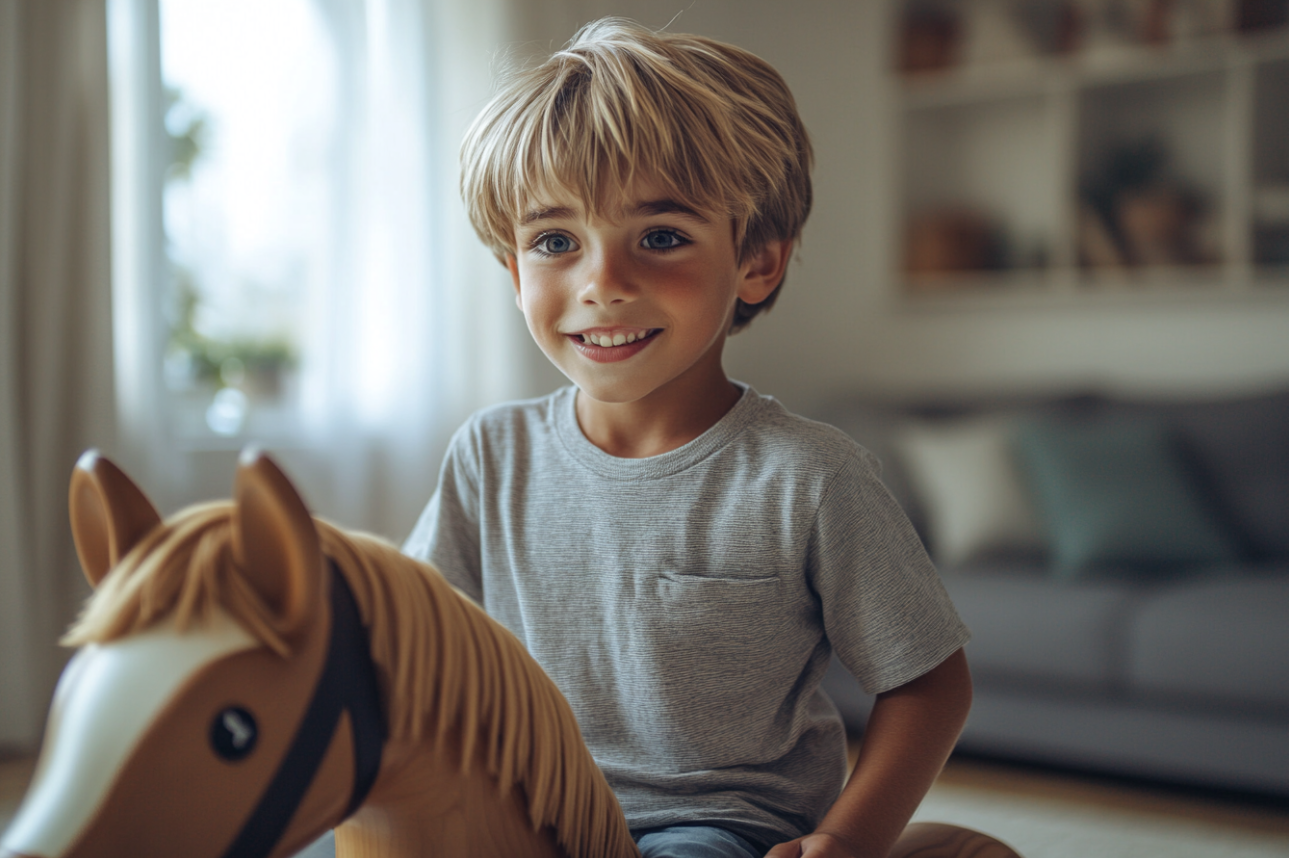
(821, 844)
(910, 733)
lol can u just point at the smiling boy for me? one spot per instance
(680, 553)
(634, 304)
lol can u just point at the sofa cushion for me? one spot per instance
(1223, 641)
(976, 499)
(1115, 493)
(1027, 628)
(1240, 450)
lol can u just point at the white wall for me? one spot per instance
(838, 325)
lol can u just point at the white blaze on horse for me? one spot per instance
(250, 677)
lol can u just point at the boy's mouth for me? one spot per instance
(614, 339)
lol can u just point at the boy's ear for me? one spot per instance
(763, 271)
(512, 265)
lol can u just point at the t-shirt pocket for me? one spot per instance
(714, 656)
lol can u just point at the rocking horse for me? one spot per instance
(250, 677)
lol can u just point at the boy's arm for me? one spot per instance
(909, 736)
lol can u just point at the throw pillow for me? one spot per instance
(1114, 493)
(975, 497)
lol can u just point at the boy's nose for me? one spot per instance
(608, 280)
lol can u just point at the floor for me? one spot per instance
(1254, 814)
(1248, 814)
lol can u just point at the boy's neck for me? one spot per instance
(661, 422)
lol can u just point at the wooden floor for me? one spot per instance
(1255, 814)
(1249, 813)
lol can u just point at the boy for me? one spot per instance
(680, 554)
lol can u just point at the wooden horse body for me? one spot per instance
(250, 678)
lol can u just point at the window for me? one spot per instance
(250, 113)
(290, 262)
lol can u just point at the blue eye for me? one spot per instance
(662, 239)
(554, 243)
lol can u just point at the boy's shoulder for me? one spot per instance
(806, 440)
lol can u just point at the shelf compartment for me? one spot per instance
(1151, 172)
(979, 191)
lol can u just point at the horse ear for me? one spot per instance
(109, 514)
(277, 542)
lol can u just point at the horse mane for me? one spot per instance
(442, 662)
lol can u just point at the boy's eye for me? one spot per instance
(554, 242)
(662, 239)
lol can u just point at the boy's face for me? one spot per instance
(638, 301)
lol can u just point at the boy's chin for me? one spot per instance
(606, 391)
(602, 395)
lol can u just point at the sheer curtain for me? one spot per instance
(419, 327)
(410, 328)
(55, 353)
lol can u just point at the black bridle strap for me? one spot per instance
(348, 683)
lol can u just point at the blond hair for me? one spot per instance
(713, 125)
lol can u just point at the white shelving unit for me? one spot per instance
(1158, 169)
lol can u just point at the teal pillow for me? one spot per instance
(1115, 493)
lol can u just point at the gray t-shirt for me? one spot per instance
(687, 603)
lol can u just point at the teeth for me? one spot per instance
(607, 341)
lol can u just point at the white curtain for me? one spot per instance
(414, 325)
(55, 353)
(420, 326)
(418, 330)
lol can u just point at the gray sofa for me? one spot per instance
(1124, 567)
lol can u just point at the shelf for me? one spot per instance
(1142, 170)
(1154, 277)
(972, 84)
(1067, 289)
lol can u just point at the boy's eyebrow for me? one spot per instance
(650, 207)
(549, 213)
(668, 206)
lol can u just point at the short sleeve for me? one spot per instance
(885, 610)
(447, 533)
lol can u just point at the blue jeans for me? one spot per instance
(693, 841)
(678, 841)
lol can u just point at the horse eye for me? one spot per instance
(233, 734)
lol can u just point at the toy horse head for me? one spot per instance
(250, 677)
(197, 724)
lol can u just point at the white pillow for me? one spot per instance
(974, 494)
